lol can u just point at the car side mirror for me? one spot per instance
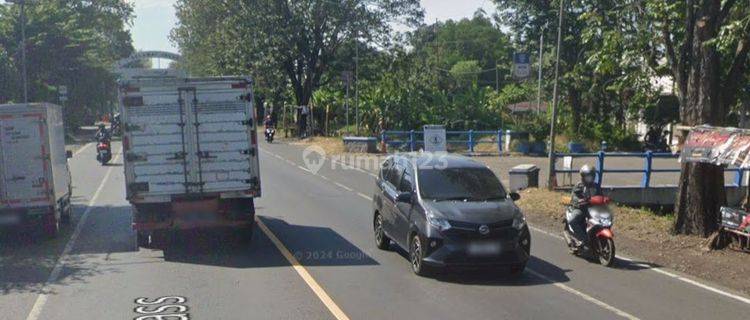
(404, 197)
(68, 154)
(515, 196)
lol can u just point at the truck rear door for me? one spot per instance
(24, 168)
(223, 143)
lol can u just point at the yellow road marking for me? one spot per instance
(302, 272)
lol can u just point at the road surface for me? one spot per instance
(312, 257)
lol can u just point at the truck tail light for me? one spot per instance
(240, 85)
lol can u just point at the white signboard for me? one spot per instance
(434, 139)
(63, 93)
(521, 65)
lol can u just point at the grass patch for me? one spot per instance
(635, 222)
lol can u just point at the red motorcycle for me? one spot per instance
(600, 239)
(103, 152)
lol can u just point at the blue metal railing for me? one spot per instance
(413, 140)
(646, 171)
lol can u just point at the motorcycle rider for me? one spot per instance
(102, 134)
(581, 196)
(268, 122)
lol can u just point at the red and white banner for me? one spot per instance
(719, 146)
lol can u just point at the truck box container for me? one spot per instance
(191, 153)
(35, 182)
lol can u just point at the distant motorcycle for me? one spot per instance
(600, 239)
(103, 152)
(270, 132)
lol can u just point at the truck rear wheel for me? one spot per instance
(245, 234)
(143, 239)
(50, 226)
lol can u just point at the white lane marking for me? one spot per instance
(302, 272)
(664, 272)
(364, 196)
(41, 299)
(584, 296)
(305, 170)
(343, 164)
(82, 149)
(343, 186)
(559, 285)
(658, 270)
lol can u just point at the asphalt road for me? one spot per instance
(313, 257)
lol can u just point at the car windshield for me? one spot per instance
(466, 184)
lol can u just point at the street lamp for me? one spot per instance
(24, 76)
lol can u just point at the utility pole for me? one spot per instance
(541, 61)
(552, 181)
(24, 75)
(497, 77)
(356, 81)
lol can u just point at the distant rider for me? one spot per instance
(268, 122)
(581, 196)
(102, 134)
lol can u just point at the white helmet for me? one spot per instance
(587, 174)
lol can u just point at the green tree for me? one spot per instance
(296, 39)
(73, 43)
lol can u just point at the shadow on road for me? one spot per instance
(500, 276)
(27, 259)
(311, 246)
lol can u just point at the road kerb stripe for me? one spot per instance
(584, 296)
(302, 272)
(41, 299)
(665, 273)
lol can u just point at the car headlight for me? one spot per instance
(519, 222)
(439, 223)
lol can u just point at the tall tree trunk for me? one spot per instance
(700, 196)
(701, 189)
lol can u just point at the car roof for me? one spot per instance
(422, 159)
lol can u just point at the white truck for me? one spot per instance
(190, 153)
(35, 181)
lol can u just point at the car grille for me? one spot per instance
(502, 230)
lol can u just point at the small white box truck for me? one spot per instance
(35, 182)
(190, 153)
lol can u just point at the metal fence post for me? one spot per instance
(600, 168)
(471, 141)
(412, 142)
(500, 142)
(646, 182)
(738, 177)
(554, 169)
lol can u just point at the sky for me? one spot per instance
(155, 18)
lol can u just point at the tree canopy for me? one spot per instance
(72, 43)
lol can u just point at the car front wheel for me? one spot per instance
(416, 257)
(381, 240)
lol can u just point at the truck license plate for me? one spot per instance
(483, 248)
